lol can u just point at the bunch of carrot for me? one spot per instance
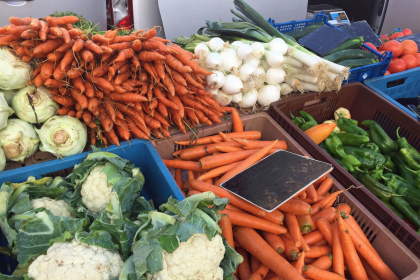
(133, 86)
(306, 237)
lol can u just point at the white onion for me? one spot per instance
(237, 43)
(246, 71)
(233, 85)
(223, 98)
(236, 98)
(253, 61)
(216, 80)
(230, 59)
(274, 59)
(264, 64)
(245, 51)
(213, 92)
(213, 60)
(275, 76)
(249, 99)
(268, 94)
(285, 89)
(201, 50)
(278, 45)
(258, 50)
(278, 86)
(215, 44)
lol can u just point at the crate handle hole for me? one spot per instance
(314, 102)
(395, 83)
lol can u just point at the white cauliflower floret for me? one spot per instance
(57, 207)
(76, 261)
(198, 258)
(96, 191)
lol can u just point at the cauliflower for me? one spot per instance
(57, 207)
(198, 258)
(96, 191)
(78, 261)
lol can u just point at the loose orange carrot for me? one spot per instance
(318, 251)
(300, 263)
(338, 259)
(293, 227)
(296, 207)
(233, 208)
(255, 264)
(313, 237)
(260, 273)
(210, 162)
(350, 221)
(237, 122)
(193, 192)
(178, 178)
(290, 250)
(324, 262)
(328, 213)
(187, 165)
(325, 186)
(244, 269)
(233, 199)
(254, 135)
(273, 240)
(217, 171)
(311, 193)
(323, 242)
(318, 274)
(256, 246)
(226, 226)
(198, 152)
(344, 208)
(326, 202)
(306, 224)
(354, 265)
(369, 270)
(254, 158)
(325, 228)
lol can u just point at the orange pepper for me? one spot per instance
(319, 132)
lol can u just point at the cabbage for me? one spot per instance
(18, 140)
(63, 136)
(2, 160)
(14, 73)
(5, 111)
(34, 105)
(8, 95)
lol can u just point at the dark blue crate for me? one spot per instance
(399, 85)
(159, 184)
(359, 74)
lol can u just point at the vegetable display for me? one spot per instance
(95, 223)
(278, 244)
(387, 168)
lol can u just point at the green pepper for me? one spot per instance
(348, 127)
(411, 194)
(389, 176)
(353, 121)
(417, 183)
(403, 169)
(310, 121)
(377, 173)
(371, 146)
(403, 144)
(378, 136)
(335, 147)
(389, 164)
(297, 121)
(393, 209)
(406, 210)
(409, 159)
(368, 158)
(350, 139)
(379, 190)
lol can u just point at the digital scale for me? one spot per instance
(335, 15)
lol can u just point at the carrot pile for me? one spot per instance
(306, 237)
(133, 86)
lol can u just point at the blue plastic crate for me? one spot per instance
(359, 74)
(399, 85)
(159, 184)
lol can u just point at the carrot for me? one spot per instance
(65, 20)
(325, 186)
(320, 180)
(110, 110)
(203, 119)
(187, 60)
(79, 97)
(306, 224)
(176, 64)
(120, 46)
(290, 250)
(260, 273)
(193, 192)
(350, 221)
(338, 260)
(125, 54)
(318, 251)
(369, 254)
(325, 229)
(233, 199)
(311, 193)
(55, 56)
(198, 152)
(102, 83)
(72, 113)
(255, 264)
(126, 38)
(150, 56)
(78, 83)
(225, 149)
(323, 242)
(153, 123)
(326, 202)
(53, 83)
(89, 89)
(233, 208)
(324, 262)
(92, 104)
(237, 122)
(29, 34)
(134, 129)
(344, 208)
(128, 97)
(47, 70)
(369, 270)
(354, 265)
(207, 140)
(111, 135)
(162, 99)
(64, 111)
(300, 263)
(137, 45)
(178, 121)
(75, 32)
(256, 246)
(254, 158)
(122, 129)
(273, 240)
(20, 21)
(187, 165)
(86, 55)
(18, 29)
(247, 220)
(210, 162)
(296, 207)
(217, 171)
(178, 178)
(319, 274)
(48, 46)
(293, 227)
(226, 226)
(149, 34)
(244, 270)
(313, 237)
(161, 119)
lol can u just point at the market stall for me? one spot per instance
(120, 152)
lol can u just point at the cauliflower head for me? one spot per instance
(76, 261)
(96, 191)
(57, 207)
(198, 258)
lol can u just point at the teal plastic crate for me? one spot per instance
(399, 85)
(359, 74)
(159, 184)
